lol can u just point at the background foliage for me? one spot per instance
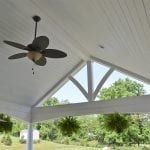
(93, 128)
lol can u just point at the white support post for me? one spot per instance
(90, 80)
(30, 137)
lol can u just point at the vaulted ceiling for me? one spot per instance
(78, 27)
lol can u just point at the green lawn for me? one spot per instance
(46, 145)
(43, 145)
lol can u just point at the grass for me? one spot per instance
(43, 145)
(47, 145)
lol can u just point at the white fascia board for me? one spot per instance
(59, 84)
(16, 110)
(137, 104)
(122, 70)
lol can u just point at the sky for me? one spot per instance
(70, 92)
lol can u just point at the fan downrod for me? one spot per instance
(36, 18)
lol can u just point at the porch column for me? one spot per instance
(29, 145)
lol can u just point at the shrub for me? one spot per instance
(36, 141)
(146, 148)
(83, 142)
(22, 140)
(66, 140)
(6, 140)
(93, 143)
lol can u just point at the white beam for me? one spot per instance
(120, 69)
(15, 110)
(79, 86)
(60, 83)
(101, 83)
(138, 104)
(90, 80)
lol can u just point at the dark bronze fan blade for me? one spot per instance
(17, 56)
(40, 43)
(53, 53)
(41, 62)
(17, 45)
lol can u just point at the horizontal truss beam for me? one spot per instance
(138, 104)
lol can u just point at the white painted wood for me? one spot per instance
(122, 27)
(103, 80)
(90, 80)
(29, 145)
(15, 110)
(120, 69)
(79, 86)
(139, 104)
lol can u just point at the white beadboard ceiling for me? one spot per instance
(76, 27)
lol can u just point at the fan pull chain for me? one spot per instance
(33, 69)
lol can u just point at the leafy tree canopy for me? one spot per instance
(121, 88)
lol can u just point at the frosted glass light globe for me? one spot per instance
(34, 56)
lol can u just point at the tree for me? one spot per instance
(17, 127)
(53, 101)
(48, 129)
(119, 89)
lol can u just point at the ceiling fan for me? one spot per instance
(36, 51)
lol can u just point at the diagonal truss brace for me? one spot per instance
(80, 87)
(91, 94)
(101, 83)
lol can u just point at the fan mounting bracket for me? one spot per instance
(36, 18)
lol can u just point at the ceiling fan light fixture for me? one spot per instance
(34, 56)
(37, 50)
